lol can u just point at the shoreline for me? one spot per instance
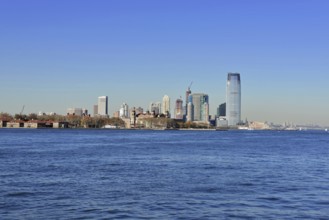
(166, 129)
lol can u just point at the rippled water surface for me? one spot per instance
(113, 174)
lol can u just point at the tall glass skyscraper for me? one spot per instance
(233, 99)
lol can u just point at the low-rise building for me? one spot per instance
(60, 125)
(15, 124)
(116, 114)
(3, 123)
(127, 122)
(34, 124)
(38, 124)
(255, 125)
(221, 122)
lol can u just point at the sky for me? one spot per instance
(58, 54)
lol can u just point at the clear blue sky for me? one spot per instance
(57, 54)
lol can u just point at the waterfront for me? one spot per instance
(124, 174)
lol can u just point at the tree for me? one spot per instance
(32, 116)
(21, 117)
(118, 122)
(5, 116)
(87, 122)
(74, 120)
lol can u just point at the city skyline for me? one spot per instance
(58, 55)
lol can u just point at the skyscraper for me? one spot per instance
(179, 113)
(233, 99)
(155, 107)
(124, 111)
(198, 107)
(190, 111)
(103, 105)
(95, 110)
(166, 105)
(221, 110)
(187, 94)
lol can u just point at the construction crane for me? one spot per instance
(22, 110)
(189, 88)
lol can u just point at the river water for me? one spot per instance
(122, 174)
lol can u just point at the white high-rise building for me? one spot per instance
(103, 106)
(233, 99)
(190, 112)
(166, 105)
(124, 111)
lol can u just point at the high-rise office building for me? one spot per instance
(187, 94)
(95, 110)
(166, 105)
(233, 99)
(103, 106)
(190, 112)
(221, 110)
(179, 111)
(198, 107)
(155, 107)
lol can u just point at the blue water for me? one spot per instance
(113, 174)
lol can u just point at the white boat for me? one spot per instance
(110, 127)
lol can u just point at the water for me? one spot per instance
(111, 174)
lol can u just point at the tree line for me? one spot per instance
(73, 120)
(99, 122)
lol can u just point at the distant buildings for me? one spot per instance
(116, 114)
(102, 106)
(139, 110)
(75, 111)
(95, 110)
(179, 110)
(221, 116)
(124, 111)
(155, 107)
(221, 110)
(166, 105)
(233, 99)
(190, 112)
(187, 94)
(198, 108)
(40, 113)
